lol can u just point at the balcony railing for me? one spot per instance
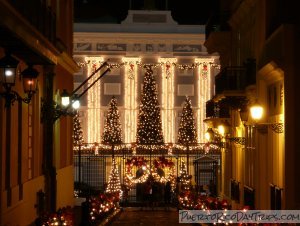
(236, 78)
(39, 15)
(217, 109)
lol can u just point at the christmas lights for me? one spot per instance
(130, 105)
(204, 93)
(77, 131)
(114, 185)
(138, 163)
(185, 178)
(112, 129)
(167, 81)
(155, 65)
(149, 128)
(187, 133)
(94, 104)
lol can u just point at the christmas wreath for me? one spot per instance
(141, 164)
(168, 165)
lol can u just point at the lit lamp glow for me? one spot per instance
(256, 112)
(30, 79)
(208, 135)
(76, 103)
(221, 130)
(65, 99)
(9, 65)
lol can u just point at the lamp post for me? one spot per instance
(257, 112)
(8, 73)
(69, 102)
(50, 112)
(8, 66)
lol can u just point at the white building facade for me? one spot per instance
(181, 66)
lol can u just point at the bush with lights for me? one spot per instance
(63, 216)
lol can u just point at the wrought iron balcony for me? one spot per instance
(217, 109)
(236, 79)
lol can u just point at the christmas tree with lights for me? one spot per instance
(113, 185)
(185, 178)
(187, 133)
(77, 131)
(112, 129)
(149, 128)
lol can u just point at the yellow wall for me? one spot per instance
(65, 187)
(22, 212)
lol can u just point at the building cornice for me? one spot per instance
(143, 38)
(15, 23)
(68, 63)
(270, 73)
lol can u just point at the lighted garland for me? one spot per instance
(156, 65)
(94, 148)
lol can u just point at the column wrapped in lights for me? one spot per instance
(130, 103)
(93, 102)
(204, 93)
(168, 113)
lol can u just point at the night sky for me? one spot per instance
(115, 11)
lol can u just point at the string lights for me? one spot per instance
(114, 185)
(187, 130)
(149, 127)
(130, 148)
(207, 62)
(94, 101)
(168, 117)
(130, 100)
(204, 93)
(132, 65)
(112, 129)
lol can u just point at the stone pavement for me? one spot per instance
(132, 216)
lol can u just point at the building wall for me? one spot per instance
(25, 161)
(266, 31)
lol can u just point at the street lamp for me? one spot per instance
(69, 103)
(75, 102)
(220, 134)
(8, 73)
(256, 112)
(65, 98)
